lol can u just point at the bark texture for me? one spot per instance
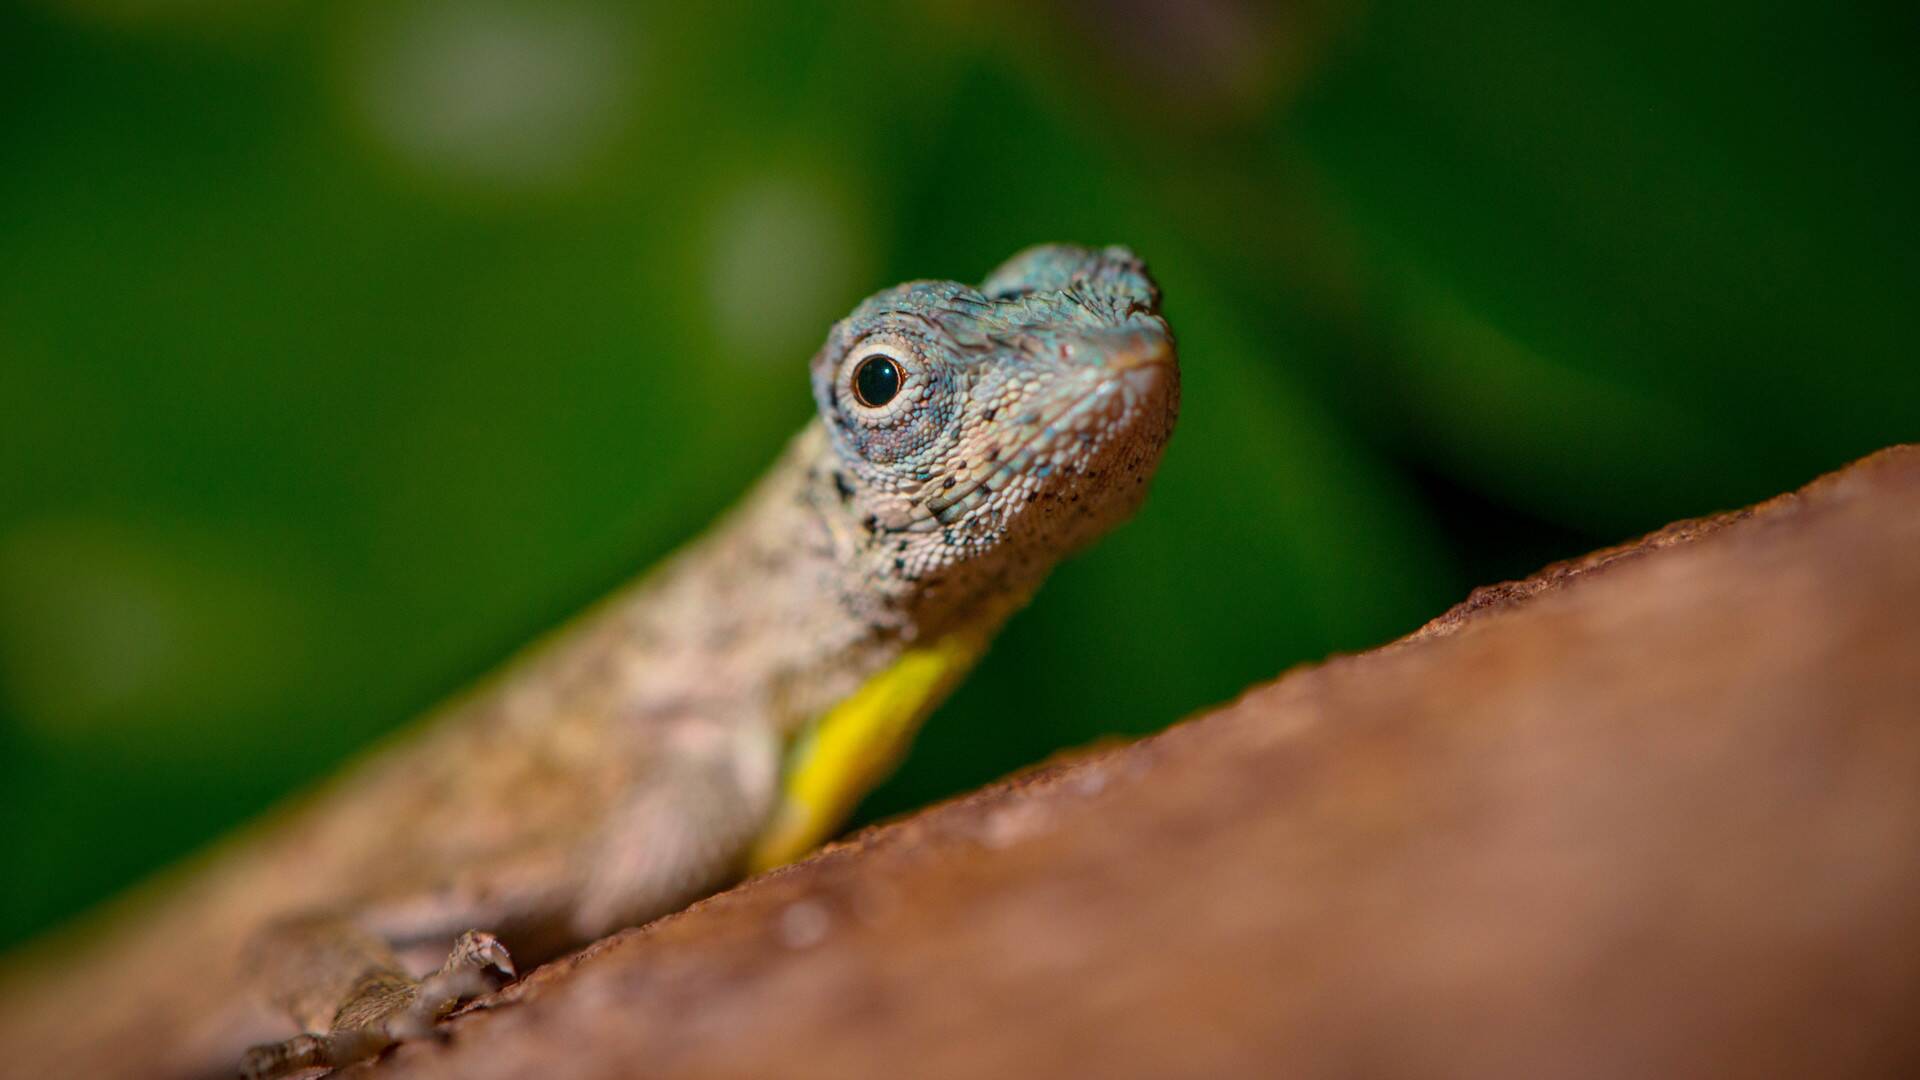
(1651, 812)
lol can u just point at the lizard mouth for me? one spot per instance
(1133, 372)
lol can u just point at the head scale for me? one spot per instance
(983, 433)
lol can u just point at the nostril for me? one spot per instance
(1144, 350)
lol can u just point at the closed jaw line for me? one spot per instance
(947, 507)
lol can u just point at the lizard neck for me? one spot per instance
(788, 604)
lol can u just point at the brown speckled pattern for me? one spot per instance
(620, 768)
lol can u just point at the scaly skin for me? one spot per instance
(722, 713)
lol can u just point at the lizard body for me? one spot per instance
(721, 714)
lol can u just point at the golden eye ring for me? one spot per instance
(876, 380)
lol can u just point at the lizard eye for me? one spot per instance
(888, 399)
(877, 380)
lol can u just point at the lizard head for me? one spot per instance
(981, 433)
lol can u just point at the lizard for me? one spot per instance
(720, 715)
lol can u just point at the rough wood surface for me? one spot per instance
(1652, 812)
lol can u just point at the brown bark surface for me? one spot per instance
(1652, 812)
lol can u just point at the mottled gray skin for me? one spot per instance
(1017, 438)
(623, 767)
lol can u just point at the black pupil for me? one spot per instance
(876, 380)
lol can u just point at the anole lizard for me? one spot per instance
(720, 715)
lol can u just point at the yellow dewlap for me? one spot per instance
(858, 743)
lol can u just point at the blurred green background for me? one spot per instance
(345, 346)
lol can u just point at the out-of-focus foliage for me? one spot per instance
(345, 346)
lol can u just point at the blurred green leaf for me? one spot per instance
(343, 348)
